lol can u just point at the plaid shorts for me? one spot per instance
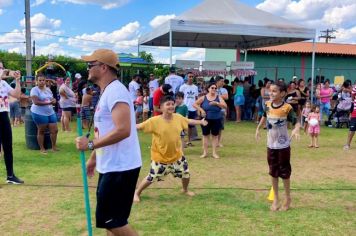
(178, 169)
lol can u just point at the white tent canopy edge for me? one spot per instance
(227, 24)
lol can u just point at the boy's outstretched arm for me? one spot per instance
(292, 116)
(257, 134)
(296, 131)
(202, 122)
(139, 126)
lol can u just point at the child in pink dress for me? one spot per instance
(314, 126)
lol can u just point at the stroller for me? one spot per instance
(340, 113)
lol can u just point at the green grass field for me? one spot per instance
(230, 192)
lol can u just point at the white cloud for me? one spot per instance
(40, 21)
(123, 38)
(318, 14)
(3, 4)
(192, 54)
(15, 36)
(197, 54)
(105, 4)
(38, 2)
(42, 27)
(50, 49)
(340, 15)
(162, 60)
(16, 50)
(346, 35)
(274, 6)
(158, 20)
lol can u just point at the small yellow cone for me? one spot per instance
(271, 195)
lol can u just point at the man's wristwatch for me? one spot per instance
(90, 145)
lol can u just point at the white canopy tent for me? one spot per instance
(227, 24)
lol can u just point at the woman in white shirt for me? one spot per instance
(5, 127)
(67, 103)
(43, 113)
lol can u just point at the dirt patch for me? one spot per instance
(28, 210)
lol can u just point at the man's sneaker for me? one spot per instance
(346, 147)
(14, 180)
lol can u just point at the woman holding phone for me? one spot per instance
(5, 128)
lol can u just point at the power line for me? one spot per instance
(61, 36)
(11, 42)
(71, 37)
(9, 32)
(95, 41)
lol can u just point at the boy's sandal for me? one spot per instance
(189, 144)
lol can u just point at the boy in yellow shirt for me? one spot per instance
(166, 152)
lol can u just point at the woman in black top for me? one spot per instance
(304, 93)
(293, 97)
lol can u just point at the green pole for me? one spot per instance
(68, 74)
(85, 181)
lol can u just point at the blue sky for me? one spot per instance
(121, 22)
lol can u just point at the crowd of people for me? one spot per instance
(169, 109)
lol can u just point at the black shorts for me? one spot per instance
(352, 124)
(279, 162)
(114, 195)
(192, 115)
(213, 127)
(71, 109)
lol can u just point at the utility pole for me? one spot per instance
(34, 49)
(28, 39)
(328, 34)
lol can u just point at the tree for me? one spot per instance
(13, 61)
(147, 56)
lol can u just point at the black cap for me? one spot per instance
(172, 69)
(218, 77)
(167, 88)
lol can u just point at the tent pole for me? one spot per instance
(312, 72)
(170, 47)
(245, 55)
(138, 49)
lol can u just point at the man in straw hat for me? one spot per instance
(115, 130)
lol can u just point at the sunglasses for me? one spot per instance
(190, 76)
(89, 66)
(213, 88)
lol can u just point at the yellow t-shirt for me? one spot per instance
(166, 142)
